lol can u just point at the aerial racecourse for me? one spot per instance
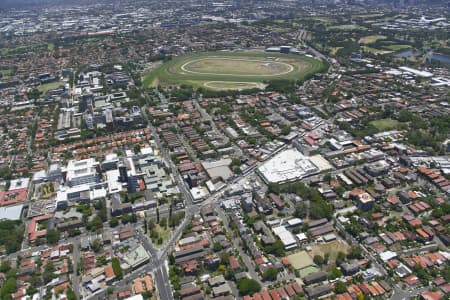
(236, 70)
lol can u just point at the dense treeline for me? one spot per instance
(11, 235)
(318, 208)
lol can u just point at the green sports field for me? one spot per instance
(386, 124)
(232, 70)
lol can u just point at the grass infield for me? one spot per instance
(232, 70)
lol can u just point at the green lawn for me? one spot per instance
(371, 39)
(370, 15)
(230, 85)
(398, 47)
(375, 51)
(235, 66)
(321, 19)
(331, 248)
(386, 124)
(49, 86)
(6, 73)
(28, 48)
(229, 70)
(161, 232)
(333, 50)
(347, 27)
(308, 270)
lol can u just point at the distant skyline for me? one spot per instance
(28, 3)
(33, 3)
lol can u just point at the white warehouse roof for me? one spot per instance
(12, 213)
(286, 237)
(417, 72)
(287, 166)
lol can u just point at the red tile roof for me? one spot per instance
(257, 296)
(265, 295)
(429, 295)
(32, 227)
(13, 197)
(297, 288)
(234, 263)
(289, 290)
(282, 293)
(274, 295)
(411, 280)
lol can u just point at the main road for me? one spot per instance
(159, 262)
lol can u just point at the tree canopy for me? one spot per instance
(270, 274)
(11, 235)
(248, 286)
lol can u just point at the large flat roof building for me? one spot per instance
(218, 168)
(12, 212)
(135, 258)
(114, 185)
(286, 166)
(80, 172)
(17, 184)
(286, 237)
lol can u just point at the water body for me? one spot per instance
(439, 57)
(408, 54)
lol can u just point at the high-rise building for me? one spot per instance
(123, 173)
